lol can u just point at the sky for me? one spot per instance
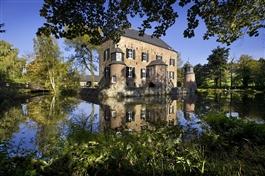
(21, 18)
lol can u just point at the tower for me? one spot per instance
(117, 68)
(189, 78)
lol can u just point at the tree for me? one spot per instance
(11, 67)
(101, 19)
(217, 64)
(83, 56)
(246, 69)
(202, 73)
(47, 69)
(259, 77)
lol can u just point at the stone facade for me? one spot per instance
(189, 79)
(134, 69)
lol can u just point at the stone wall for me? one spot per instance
(139, 47)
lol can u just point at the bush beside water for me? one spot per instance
(229, 147)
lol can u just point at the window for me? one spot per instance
(130, 72)
(130, 53)
(113, 114)
(106, 54)
(113, 79)
(158, 57)
(107, 72)
(145, 57)
(171, 75)
(116, 56)
(143, 114)
(129, 116)
(172, 62)
(143, 73)
(171, 110)
(150, 72)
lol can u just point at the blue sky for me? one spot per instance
(21, 18)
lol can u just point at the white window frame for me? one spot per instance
(113, 114)
(130, 72)
(114, 79)
(144, 59)
(159, 57)
(172, 61)
(143, 72)
(130, 53)
(120, 57)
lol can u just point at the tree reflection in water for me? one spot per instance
(44, 124)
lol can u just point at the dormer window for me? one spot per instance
(117, 55)
(158, 57)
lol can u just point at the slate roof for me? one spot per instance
(89, 78)
(134, 34)
(156, 62)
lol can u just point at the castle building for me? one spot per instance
(137, 61)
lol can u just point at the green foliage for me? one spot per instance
(230, 147)
(157, 152)
(226, 20)
(236, 130)
(233, 146)
(260, 74)
(11, 67)
(246, 70)
(47, 70)
(217, 64)
(202, 73)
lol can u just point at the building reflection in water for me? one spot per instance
(189, 120)
(136, 114)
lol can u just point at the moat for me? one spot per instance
(40, 125)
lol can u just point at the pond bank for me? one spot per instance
(212, 90)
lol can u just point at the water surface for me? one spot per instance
(40, 125)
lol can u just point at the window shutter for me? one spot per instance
(141, 73)
(108, 54)
(147, 56)
(134, 54)
(147, 73)
(127, 72)
(133, 72)
(104, 55)
(142, 57)
(127, 52)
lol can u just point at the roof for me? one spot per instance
(157, 62)
(134, 34)
(117, 50)
(89, 78)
